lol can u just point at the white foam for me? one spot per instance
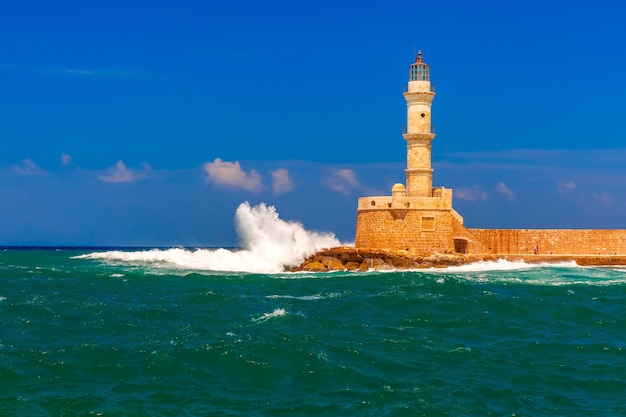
(503, 265)
(276, 313)
(269, 245)
(306, 297)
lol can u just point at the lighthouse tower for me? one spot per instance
(415, 217)
(418, 136)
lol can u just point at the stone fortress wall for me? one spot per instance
(440, 229)
(407, 223)
(549, 241)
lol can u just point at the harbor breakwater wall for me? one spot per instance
(548, 241)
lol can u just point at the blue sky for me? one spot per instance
(148, 123)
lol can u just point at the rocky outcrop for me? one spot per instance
(348, 258)
(352, 259)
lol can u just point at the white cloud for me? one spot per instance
(470, 194)
(341, 181)
(282, 183)
(110, 73)
(603, 199)
(566, 187)
(230, 174)
(66, 159)
(119, 173)
(505, 191)
(28, 167)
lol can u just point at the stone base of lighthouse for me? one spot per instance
(428, 225)
(421, 225)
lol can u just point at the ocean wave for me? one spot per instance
(269, 245)
(279, 312)
(541, 274)
(306, 297)
(505, 265)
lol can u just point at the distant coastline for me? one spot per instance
(349, 258)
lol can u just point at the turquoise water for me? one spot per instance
(146, 337)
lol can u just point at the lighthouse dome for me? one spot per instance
(398, 190)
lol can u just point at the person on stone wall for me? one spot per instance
(536, 250)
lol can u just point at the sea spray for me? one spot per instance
(268, 245)
(263, 232)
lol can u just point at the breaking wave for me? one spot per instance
(504, 265)
(269, 245)
(279, 312)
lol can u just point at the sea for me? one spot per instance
(228, 332)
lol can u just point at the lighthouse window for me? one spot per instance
(419, 73)
(423, 114)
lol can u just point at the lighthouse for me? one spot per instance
(416, 217)
(419, 97)
(420, 219)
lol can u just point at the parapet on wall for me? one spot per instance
(549, 241)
